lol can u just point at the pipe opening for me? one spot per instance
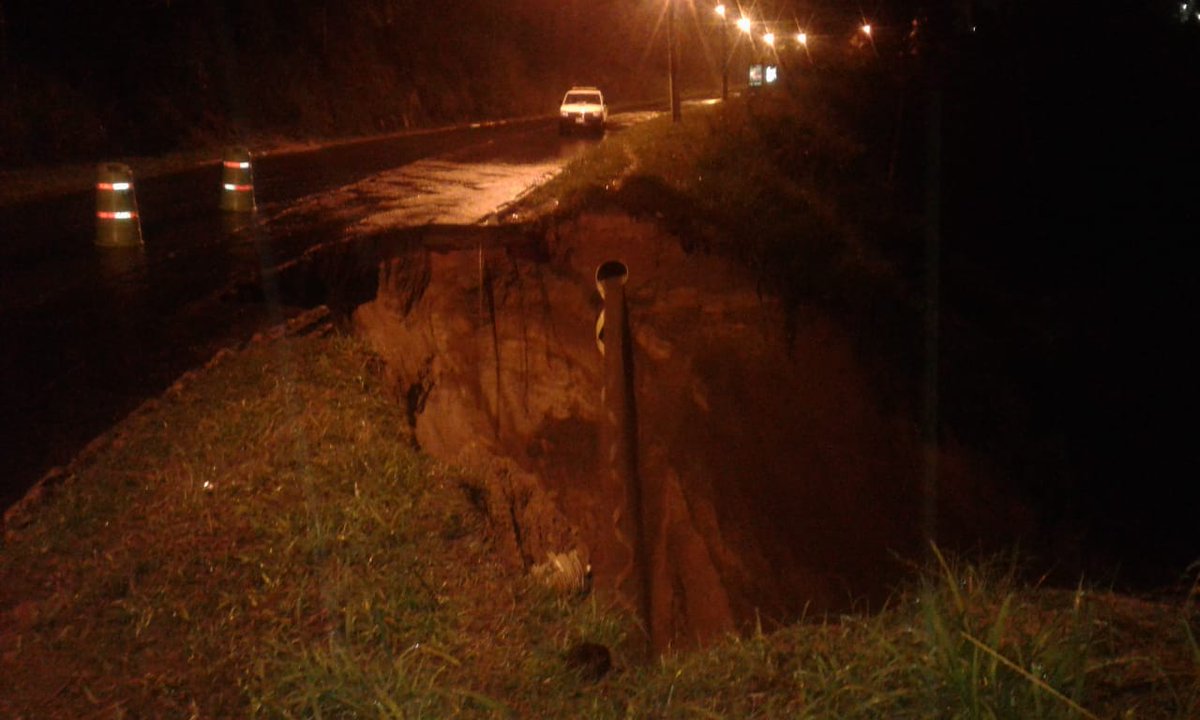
(611, 271)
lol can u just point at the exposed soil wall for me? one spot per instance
(776, 485)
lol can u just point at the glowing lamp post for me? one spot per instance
(721, 12)
(769, 39)
(744, 25)
(865, 28)
(673, 85)
(802, 41)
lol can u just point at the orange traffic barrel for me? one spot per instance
(237, 181)
(117, 221)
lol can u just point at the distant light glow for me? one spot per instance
(236, 164)
(720, 10)
(238, 188)
(769, 38)
(802, 38)
(744, 24)
(123, 215)
(772, 74)
(866, 28)
(119, 187)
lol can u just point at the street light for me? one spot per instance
(674, 86)
(866, 30)
(743, 24)
(802, 40)
(769, 39)
(720, 10)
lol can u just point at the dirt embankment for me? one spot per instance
(776, 484)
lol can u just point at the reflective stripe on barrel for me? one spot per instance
(117, 221)
(237, 181)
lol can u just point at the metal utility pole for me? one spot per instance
(3, 40)
(724, 59)
(929, 420)
(619, 479)
(674, 85)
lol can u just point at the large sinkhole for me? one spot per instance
(773, 482)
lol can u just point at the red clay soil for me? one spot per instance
(773, 483)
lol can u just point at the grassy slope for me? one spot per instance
(263, 541)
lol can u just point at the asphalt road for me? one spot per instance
(89, 333)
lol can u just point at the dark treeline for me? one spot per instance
(84, 79)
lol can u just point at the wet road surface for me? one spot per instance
(89, 333)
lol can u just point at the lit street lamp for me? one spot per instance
(769, 39)
(743, 24)
(720, 10)
(802, 40)
(674, 86)
(866, 30)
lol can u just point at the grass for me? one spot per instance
(263, 541)
(776, 163)
(780, 183)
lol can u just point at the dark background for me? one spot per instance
(1070, 224)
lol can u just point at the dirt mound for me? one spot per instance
(779, 486)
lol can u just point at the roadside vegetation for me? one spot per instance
(781, 182)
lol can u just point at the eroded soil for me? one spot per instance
(773, 483)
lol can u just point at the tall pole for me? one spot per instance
(619, 440)
(933, 211)
(674, 85)
(3, 40)
(724, 59)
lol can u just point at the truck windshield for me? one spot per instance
(582, 99)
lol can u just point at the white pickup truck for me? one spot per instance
(582, 108)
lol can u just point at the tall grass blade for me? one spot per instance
(948, 576)
(1030, 677)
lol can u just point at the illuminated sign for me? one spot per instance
(760, 75)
